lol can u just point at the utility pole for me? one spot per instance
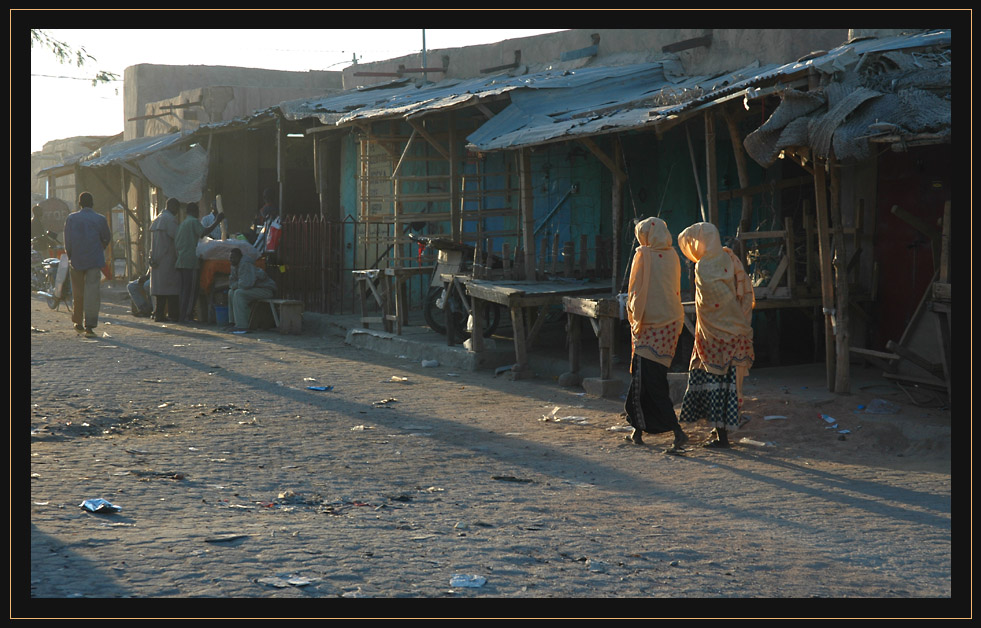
(425, 75)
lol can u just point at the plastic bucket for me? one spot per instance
(221, 314)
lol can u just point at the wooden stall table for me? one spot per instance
(518, 297)
(602, 314)
(387, 287)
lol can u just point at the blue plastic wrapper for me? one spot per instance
(99, 505)
(321, 388)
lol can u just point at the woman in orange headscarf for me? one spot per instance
(723, 352)
(655, 315)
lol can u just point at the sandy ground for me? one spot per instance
(404, 484)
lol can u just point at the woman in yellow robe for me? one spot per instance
(655, 315)
(723, 351)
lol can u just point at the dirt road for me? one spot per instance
(235, 477)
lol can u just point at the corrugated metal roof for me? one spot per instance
(404, 99)
(69, 161)
(545, 106)
(618, 102)
(130, 150)
(839, 58)
(536, 118)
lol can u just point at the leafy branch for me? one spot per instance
(67, 54)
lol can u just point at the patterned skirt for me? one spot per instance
(712, 397)
(648, 404)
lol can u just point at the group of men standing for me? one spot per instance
(174, 260)
(174, 264)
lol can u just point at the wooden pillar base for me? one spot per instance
(570, 379)
(610, 388)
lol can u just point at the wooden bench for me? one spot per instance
(286, 314)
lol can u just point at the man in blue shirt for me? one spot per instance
(86, 238)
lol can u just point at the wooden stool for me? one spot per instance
(287, 315)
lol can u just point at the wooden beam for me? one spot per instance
(528, 218)
(484, 109)
(945, 246)
(842, 332)
(726, 195)
(711, 169)
(791, 256)
(741, 170)
(695, 42)
(616, 202)
(824, 259)
(617, 171)
(694, 168)
(762, 235)
(405, 151)
(456, 196)
(933, 368)
(429, 138)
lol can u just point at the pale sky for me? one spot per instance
(65, 104)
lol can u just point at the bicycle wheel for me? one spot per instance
(431, 311)
(492, 318)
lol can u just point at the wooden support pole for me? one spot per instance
(711, 169)
(694, 172)
(616, 202)
(809, 252)
(456, 195)
(842, 383)
(280, 168)
(477, 309)
(527, 214)
(555, 253)
(824, 259)
(573, 326)
(741, 170)
(569, 259)
(944, 270)
(520, 368)
(791, 257)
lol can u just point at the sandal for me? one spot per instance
(635, 437)
(716, 444)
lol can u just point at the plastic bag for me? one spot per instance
(275, 231)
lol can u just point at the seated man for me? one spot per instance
(246, 283)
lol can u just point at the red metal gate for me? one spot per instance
(310, 252)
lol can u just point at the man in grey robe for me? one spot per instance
(164, 279)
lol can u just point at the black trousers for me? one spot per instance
(166, 307)
(648, 405)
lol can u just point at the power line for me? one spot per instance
(78, 78)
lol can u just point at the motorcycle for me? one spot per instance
(442, 305)
(49, 275)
